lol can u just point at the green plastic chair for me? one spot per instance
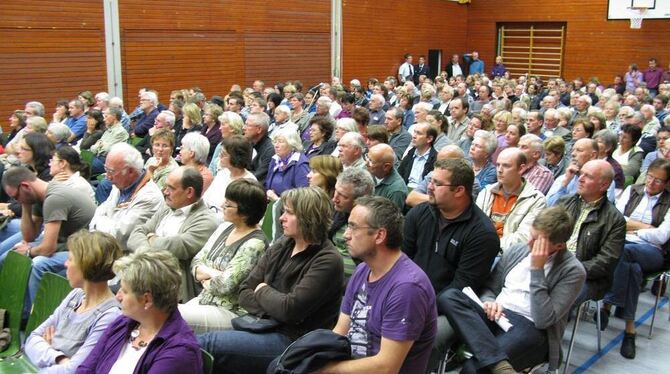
(20, 365)
(135, 140)
(268, 221)
(207, 362)
(52, 291)
(14, 285)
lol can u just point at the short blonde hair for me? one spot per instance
(193, 113)
(94, 253)
(234, 121)
(155, 272)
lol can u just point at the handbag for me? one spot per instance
(252, 323)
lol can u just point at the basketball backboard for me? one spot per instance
(624, 9)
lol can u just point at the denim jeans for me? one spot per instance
(10, 235)
(243, 352)
(636, 259)
(103, 190)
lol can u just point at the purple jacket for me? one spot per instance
(293, 175)
(173, 350)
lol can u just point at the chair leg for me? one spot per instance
(572, 338)
(658, 297)
(598, 305)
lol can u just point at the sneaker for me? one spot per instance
(604, 318)
(628, 346)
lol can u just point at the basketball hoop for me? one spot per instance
(637, 15)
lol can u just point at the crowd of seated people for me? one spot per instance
(388, 201)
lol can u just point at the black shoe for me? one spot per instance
(628, 346)
(604, 318)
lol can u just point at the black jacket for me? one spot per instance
(600, 241)
(264, 153)
(405, 167)
(458, 256)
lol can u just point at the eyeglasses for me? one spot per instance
(110, 171)
(654, 180)
(440, 184)
(354, 227)
(227, 205)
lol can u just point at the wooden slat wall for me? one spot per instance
(594, 46)
(169, 45)
(49, 51)
(376, 34)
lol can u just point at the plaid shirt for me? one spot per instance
(540, 177)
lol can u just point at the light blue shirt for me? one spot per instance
(557, 190)
(417, 169)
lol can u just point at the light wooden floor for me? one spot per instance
(653, 355)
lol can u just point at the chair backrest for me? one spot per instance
(268, 221)
(135, 140)
(207, 362)
(14, 284)
(53, 289)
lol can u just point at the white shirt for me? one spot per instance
(515, 294)
(128, 359)
(170, 224)
(643, 213)
(456, 70)
(406, 70)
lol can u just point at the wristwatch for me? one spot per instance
(28, 252)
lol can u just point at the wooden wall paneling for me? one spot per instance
(49, 51)
(278, 57)
(376, 35)
(175, 44)
(594, 46)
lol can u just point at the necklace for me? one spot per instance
(133, 336)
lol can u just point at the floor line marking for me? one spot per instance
(617, 339)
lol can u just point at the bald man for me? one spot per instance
(379, 161)
(512, 202)
(420, 193)
(582, 152)
(598, 235)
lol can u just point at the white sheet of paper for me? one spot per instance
(503, 322)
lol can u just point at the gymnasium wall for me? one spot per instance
(594, 46)
(376, 38)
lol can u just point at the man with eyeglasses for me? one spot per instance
(54, 209)
(134, 197)
(451, 239)
(646, 208)
(388, 311)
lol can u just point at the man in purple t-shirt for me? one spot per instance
(388, 312)
(652, 77)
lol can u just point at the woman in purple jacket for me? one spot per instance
(289, 166)
(150, 336)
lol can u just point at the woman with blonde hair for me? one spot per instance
(62, 342)
(150, 336)
(191, 122)
(297, 283)
(161, 163)
(501, 120)
(231, 124)
(324, 172)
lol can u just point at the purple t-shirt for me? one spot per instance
(400, 306)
